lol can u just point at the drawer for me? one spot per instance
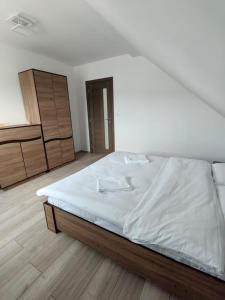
(20, 133)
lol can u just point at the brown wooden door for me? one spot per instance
(100, 115)
(54, 154)
(67, 150)
(34, 157)
(47, 106)
(12, 167)
(62, 105)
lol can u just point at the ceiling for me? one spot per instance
(185, 38)
(70, 31)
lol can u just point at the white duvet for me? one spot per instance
(80, 189)
(172, 207)
(180, 212)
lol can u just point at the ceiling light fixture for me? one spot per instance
(21, 24)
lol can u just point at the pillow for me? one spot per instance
(219, 173)
(221, 195)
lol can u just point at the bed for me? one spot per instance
(189, 263)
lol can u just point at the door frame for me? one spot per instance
(111, 91)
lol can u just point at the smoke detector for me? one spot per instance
(21, 24)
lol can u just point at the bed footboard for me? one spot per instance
(178, 279)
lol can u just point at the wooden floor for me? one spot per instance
(38, 264)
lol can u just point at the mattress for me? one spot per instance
(85, 215)
(78, 195)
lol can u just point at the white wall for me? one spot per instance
(152, 111)
(13, 61)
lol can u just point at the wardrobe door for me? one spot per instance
(54, 154)
(12, 167)
(67, 150)
(34, 157)
(62, 105)
(47, 107)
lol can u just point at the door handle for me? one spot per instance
(108, 120)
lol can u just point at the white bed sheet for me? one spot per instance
(109, 210)
(80, 189)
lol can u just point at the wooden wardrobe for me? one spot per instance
(46, 101)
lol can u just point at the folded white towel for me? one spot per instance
(113, 185)
(133, 158)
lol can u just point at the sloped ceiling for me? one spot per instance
(70, 31)
(185, 38)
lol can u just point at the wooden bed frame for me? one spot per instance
(176, 278)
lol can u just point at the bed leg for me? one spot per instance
(50, 217)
